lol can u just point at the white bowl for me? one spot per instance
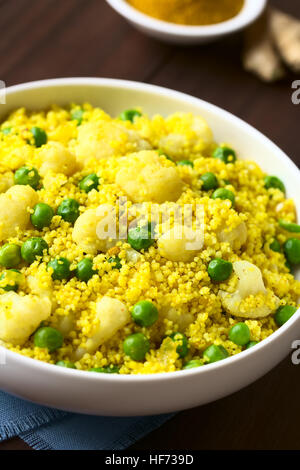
(181, 34)
(121, 395)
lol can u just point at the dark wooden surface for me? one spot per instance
(53, 38)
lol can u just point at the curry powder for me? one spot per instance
(189, 12)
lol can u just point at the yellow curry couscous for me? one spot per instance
(101, 269)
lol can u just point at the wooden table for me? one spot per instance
(53, 38)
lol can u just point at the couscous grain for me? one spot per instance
(153, 298)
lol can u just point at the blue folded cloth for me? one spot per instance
(48, 429)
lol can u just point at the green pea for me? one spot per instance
(6, 130)
(106, 370)
(68, 365)
(42, 216)
(186, 163)
(39, 136)
(130, 115)
(219, 270)
(210, 181)
(27, 175)
(136, 346)
(11, 280)
(139, 238)
(183, 344)
(61, 269)
(292, 250)
(77, 115)
(84, 270)
(48, 338)
(226, 154)
(274, 182)
(151, 227)
(193, 364)
(89, 182)
(69, 210)
(239, 334)
(284, 313)
(225, 352)
(223, 193)
(10, 255)
(289, 226)
(116, 262)
(144, 313)
(275, 246)
(215, 353)
(32, 248)
(251, 344)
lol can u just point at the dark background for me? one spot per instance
(54, 38)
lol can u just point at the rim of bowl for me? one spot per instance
(87, 375)
(250, 11)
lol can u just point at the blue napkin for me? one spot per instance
(48, 429)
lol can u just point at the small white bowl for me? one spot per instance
(180, 34)
(125, 395)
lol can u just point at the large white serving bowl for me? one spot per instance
(181, 34)
(121, 395)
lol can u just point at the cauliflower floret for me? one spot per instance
(144, 178)
(14, 210)
(112, 315)
(20, 316)
(93, 228)
(236, 237)
(133, 256)
(104, 139)
(187, 135)
(180, 243)
(183, 320)
(42, 289)
(135, 140)
(57, 158)
(251, 299)
(65, 324)
(6, 181)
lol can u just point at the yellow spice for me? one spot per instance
(189, 12)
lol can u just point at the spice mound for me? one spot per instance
(189, 12)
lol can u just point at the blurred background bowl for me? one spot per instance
(181, 34)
